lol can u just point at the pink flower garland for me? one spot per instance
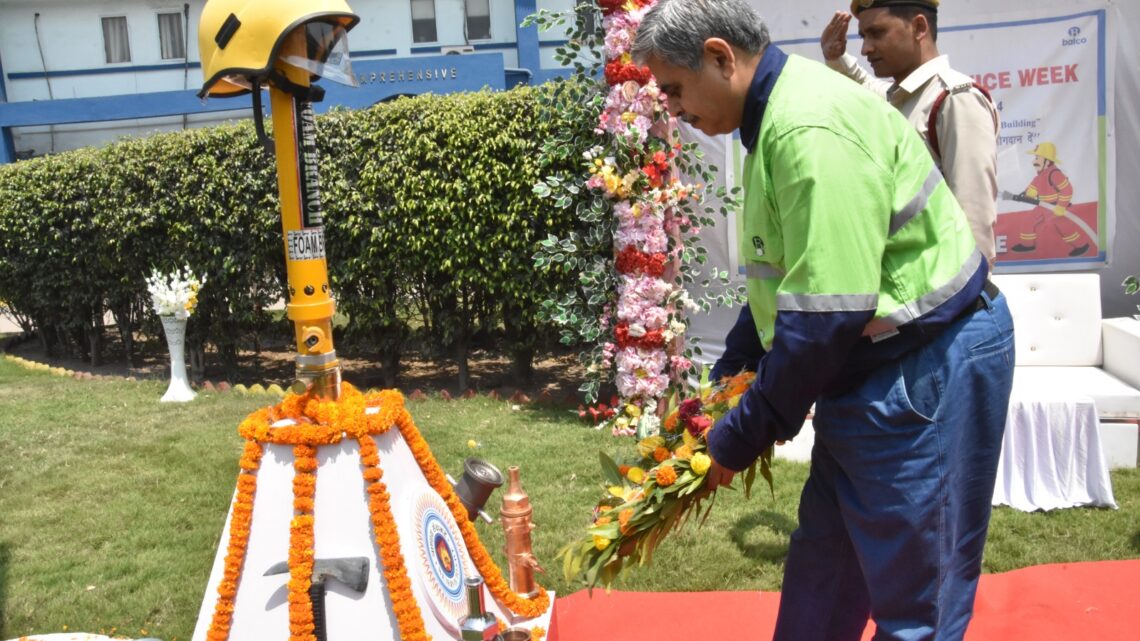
(647, 323)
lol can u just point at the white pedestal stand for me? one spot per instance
(179, 390)
(343, 529)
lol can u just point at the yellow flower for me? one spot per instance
(601, 542)
(646, 446)
(700, 463)
(633, 410)
(635, 475)
(471, 443)
(689, 439)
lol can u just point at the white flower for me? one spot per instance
(636, 330)
(649, 425)
(174, 294)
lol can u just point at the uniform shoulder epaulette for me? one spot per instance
(953, 82)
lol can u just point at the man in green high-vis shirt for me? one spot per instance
(868, 298)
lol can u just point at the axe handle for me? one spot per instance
(317, 597)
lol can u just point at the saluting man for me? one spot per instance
(953, 115)
(868, 297)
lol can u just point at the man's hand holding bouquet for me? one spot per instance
(664, 482)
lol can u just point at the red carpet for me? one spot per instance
(1063, 602)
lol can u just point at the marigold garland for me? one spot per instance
(492, 575)
(240, 518)
(301, 625)
(306, 422)
(408, 616)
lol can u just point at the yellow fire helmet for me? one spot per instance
(239, 41)
(1046, 150)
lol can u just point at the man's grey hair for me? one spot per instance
(675, 30)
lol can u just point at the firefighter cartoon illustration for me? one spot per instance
(1052, 193)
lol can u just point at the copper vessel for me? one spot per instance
(515, 515)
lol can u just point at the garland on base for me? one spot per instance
(306, 422)
(241, 516)
(301, 624)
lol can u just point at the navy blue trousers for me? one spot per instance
(893, 517)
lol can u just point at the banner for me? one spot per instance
(1047, 77)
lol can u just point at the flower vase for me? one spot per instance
(179, 389)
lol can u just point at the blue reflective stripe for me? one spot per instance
(918, 203)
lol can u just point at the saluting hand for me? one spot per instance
(833, 41)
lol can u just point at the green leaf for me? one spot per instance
(610, 469)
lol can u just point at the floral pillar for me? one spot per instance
(635, 171)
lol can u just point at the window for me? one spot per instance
(170, 38)
(478, 19)
(423, 21)
(115, 43)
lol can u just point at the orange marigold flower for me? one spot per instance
(666, 475)
(670, 423)
(623, 520)
(660, 453)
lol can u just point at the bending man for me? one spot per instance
(872, 301)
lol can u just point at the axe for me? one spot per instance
(351, 571)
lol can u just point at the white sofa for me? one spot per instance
(1065, 349)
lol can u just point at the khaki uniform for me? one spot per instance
(967, 128)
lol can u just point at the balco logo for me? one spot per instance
(1074, 38)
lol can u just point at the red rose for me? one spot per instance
(698, 425)
(621, 335)
(689, 408)
(652, 339)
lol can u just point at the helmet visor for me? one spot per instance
(326, 48)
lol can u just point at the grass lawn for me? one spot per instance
(111, 504)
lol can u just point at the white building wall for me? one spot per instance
(71, 39)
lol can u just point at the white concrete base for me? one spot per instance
(342, 529)
(799, 448)
(1120, 442)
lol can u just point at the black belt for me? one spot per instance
(990, 290)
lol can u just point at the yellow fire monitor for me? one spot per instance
(311, 306)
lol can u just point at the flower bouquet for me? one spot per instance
(174, 294)
(657, 489)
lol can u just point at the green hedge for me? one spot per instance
(430, 219)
